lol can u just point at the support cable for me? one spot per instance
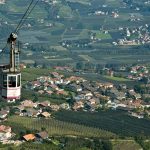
(22, 21)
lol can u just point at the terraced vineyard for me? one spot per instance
(114, 121)
(56, 127)
(73, 21)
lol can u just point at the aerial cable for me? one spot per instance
(2, 50)
(23, 19)
(23, 16)
(26, 16)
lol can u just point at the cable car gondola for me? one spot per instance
(10, 75)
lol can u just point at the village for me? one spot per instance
(80, 95)
(132, 72)
(84, 95)
(82, 72)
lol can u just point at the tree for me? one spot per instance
(35, 64)
(145, 80)
(107, 145)
(138, 89)
(35, 99)
(10, 148)
(43, 129)
(44, 66)
(79, 65)
(79, 25)
(147, 99)
(98, 144)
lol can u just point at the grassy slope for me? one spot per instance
(88, 22)
(125, 145)
(55, 127)
(31, 74)
(29, 146)
(116, 78)
(114, 121)
(101, 35)
(84, 2)
(60, 128)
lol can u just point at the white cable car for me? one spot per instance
(10, 75)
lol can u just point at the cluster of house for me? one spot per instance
(110, 96)
(61, 68)
(94, 37)
(82, 43)
(4, 114)
(51, 2)
(40, 136)
(29, 109)
(134, 18)
(138, 72)
(39, 109)
(108, 71)
(134, 36)
(47, 84)
(128, 100)
(115, 14)
(6, 135)
(87, 95)
(126, 42)
(101, 12)
(59, 85)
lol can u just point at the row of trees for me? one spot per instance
(94, 144)
(98, 67)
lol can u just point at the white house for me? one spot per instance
(5, 132)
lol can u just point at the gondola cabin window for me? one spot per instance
(12, 81)
(4, 80)
(18, 80)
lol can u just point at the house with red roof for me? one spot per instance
(29, 137)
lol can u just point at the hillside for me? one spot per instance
(79, 29)
(85, 78)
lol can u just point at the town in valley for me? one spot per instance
(80, 74)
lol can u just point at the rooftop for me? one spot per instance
(29, 137)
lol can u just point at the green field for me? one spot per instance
(56, 127)
(73, 22)
(119, 79)
(87, 58)
(60, 59)
(30, 74)
(76, 22)
(68, 129)
(147, 144)
(85, 2)
(29, 146)
(125, 145)
(71, 145)
(58, 48)
(101, 35)
(114, 121)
